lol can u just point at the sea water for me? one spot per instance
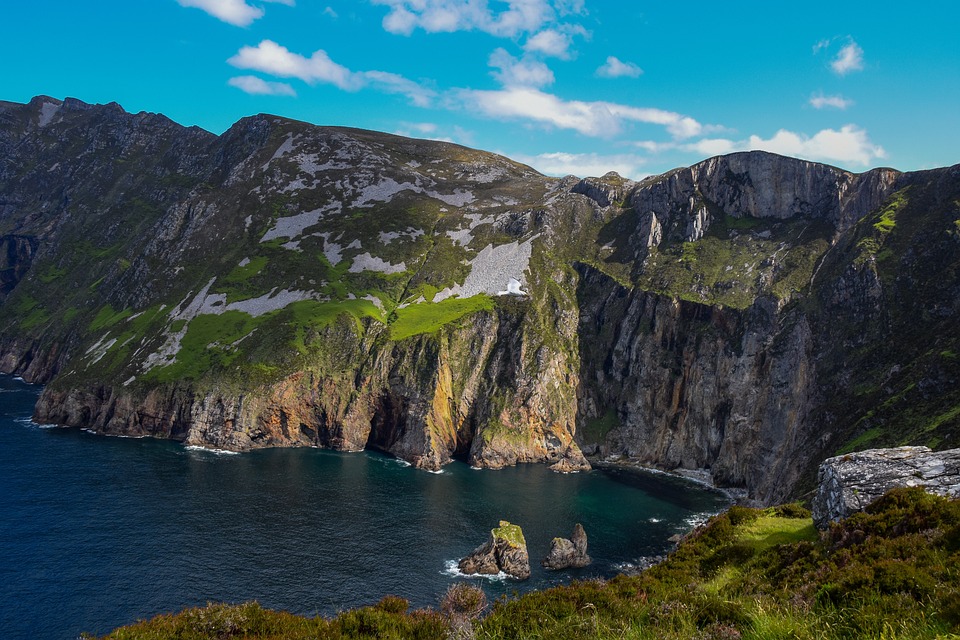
(97, 532)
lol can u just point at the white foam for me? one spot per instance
(26, 421)
(452, 568)
(211, 450)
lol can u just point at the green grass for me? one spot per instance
(429, 317)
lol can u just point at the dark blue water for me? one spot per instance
(96, 532)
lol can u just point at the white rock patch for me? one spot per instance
(47, 111)
(367, 262)
(493, 269)
(293, 226)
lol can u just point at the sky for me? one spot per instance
(566, 86)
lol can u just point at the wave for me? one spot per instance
(27, 421)
(452, 568)
(216, 452)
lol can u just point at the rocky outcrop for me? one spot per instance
(505, 551)
(849, 483)
(567, 553)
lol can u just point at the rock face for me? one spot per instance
(849, 483)
(505, 551)
(568, 553)
(285, 284)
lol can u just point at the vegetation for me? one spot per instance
(427, 318)
(892, 572)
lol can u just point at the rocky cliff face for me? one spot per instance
(292, 285)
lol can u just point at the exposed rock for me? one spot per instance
(850, 482)
(505, 551)
(568, 553)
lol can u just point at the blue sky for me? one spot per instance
(567, 86)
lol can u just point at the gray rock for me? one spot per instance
(568, 553)
(848, 483)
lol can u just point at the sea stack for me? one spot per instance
(505, 550)
(568, 553)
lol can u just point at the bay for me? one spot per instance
(97, 532)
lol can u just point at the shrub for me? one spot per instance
(742, 515)
(792, 510)
(463, 601)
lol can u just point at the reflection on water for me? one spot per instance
(97, 532)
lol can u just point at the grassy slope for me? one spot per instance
(891, 573)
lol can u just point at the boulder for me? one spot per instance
(568, 553)
(505, 550)
(848, 483)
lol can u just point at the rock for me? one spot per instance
(848, 483)
(505, 551)
(568, 553)
(572, 462)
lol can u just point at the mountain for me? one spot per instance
(285, 284)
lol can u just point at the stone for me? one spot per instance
(505, 551)
(568, 553)
(848, 483)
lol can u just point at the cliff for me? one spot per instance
(291, 285)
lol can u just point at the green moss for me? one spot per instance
(861, 442)
(429, 317)
(247, 271)
(52, 274)
(512, 533)
(596, 429)
(108, 317)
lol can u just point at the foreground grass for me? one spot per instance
(893, 572)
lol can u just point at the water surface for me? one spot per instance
(96, 532)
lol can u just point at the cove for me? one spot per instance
(96, 532)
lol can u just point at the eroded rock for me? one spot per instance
(848, 483)
(505, 550)
(568, 553)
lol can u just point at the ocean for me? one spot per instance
(98, 532)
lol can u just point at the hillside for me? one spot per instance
(285, 284)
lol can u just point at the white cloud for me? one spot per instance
(235, 12)
(614, 68)
(434, 16)
(276, 60)
(822, 44)
(257, 86)
(387, 82)
(270, 57)
(519, 73)
(849, 59)
(584, 164)
(712, 147)
(850, 144)
(821, 101)
(550, 42)
(328, 11)
(601, 119)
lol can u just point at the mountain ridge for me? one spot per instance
(284, 284)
